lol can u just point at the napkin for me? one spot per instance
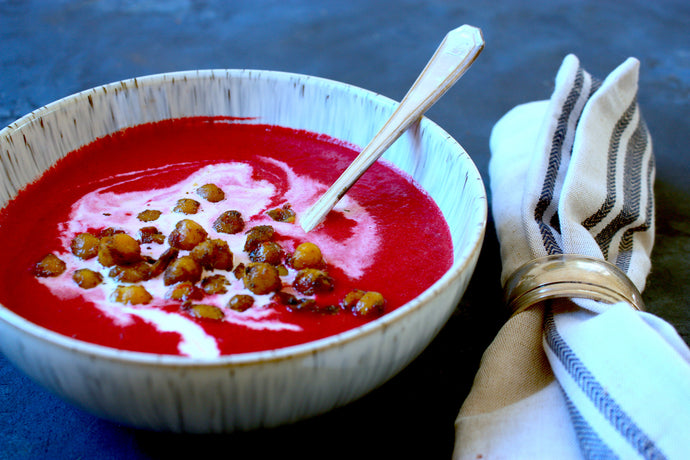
(571, 378)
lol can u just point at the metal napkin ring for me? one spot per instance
(569, 276)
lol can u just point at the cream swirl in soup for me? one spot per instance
(385, 237)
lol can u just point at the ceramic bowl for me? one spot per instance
(259, 389)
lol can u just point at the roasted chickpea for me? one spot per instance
(149, 215)
(204, 311)
(118, 249)
(307, 255)
(311, 281)
(158, 266)
(185, 291)
(213, 254)
(297, 304)
(186, 235)
(85, 246)
(241, 302)
(50, 266)
(229, 222)
(239, 271)
(187, 206)
(283, 214)
(267, 251)
(351, 299)
(211, 193)
(133, 273)
(86, 278)
(257, 235)
(151, 235)
(133, 294)
(215, 284)
(285, 298)
(183, 269)
(371, 303)
(261, 278)
(109, 231)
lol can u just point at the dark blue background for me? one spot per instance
(50, 49)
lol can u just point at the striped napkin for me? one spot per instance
(578, 378)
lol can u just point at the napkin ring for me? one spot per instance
(569, 276)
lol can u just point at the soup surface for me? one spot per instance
(386, 236)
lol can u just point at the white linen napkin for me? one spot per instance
(565, 379)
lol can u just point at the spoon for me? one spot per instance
(452, 58)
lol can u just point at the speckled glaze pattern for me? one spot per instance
(262, 389)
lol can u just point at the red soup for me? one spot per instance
(183, 237)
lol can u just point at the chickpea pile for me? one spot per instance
(195, 266)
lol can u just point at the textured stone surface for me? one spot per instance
(50, 49)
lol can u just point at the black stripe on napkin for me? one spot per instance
(614, 147)
(597, 394)
(625, 248)
(591, 444)
(633, 181)
(555, 157)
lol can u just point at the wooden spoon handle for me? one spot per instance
(452, 58)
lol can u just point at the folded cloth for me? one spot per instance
(574, 378)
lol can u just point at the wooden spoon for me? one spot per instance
(454, 56)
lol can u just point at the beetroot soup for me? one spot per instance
(183, 237)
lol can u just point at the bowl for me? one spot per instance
(257, 389)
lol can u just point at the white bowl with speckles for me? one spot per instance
(243, 391)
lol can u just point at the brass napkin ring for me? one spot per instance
(569, 276)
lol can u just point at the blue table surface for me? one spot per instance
(50, 49)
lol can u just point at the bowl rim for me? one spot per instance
(261, 357)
